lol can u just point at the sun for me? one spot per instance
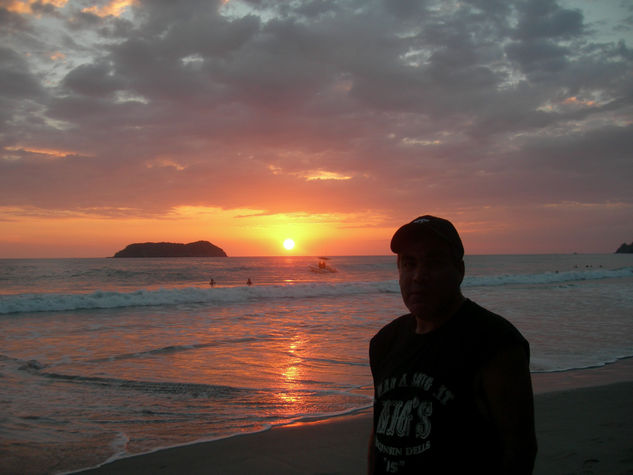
(289, 244)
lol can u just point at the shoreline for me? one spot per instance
(620, 370)
(576, 430)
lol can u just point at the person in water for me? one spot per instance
(452, 387)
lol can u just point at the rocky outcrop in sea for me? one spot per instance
(170, 249)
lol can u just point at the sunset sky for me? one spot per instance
(330, 122)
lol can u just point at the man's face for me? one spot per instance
(430, 277)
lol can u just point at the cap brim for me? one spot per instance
(408, 233)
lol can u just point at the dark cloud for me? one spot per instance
(19, 89)
(539, 58)
(545, 19)
(92, 80)
(16, 80)
(11, 21)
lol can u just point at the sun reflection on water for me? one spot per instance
(291, 374)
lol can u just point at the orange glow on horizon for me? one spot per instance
(32, 232)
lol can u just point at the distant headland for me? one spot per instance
(625, 249)
(170, 249)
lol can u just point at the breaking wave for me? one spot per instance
(50, 302)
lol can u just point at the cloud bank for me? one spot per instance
(487, 111)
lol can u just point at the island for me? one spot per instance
(625, 249)
(170, 249)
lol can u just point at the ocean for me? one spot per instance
(105, 358)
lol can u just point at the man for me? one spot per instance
(452, 386)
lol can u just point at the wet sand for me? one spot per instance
(584, 423)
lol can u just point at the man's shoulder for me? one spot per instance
(492, 327)
(393, 331)
(394, 334)
(397, 325)
(481, 315)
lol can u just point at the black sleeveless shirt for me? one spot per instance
(430, 415)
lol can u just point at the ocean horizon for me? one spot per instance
(102, 358)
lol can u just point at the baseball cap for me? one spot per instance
(442, 228)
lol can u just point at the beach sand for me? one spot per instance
(584, 430)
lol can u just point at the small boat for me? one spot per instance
(322, 266)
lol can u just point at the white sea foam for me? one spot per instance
(548, 277)
(191, 295)
(50, 302)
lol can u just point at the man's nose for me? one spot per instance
(420, 273)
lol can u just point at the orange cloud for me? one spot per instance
(114, 8)
(580, 102)
(49, 152)
(311, 175)
(24, 6)
(325, 175)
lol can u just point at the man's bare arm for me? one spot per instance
(370, 453)
(508, 389)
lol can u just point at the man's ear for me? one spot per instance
(462, 269)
